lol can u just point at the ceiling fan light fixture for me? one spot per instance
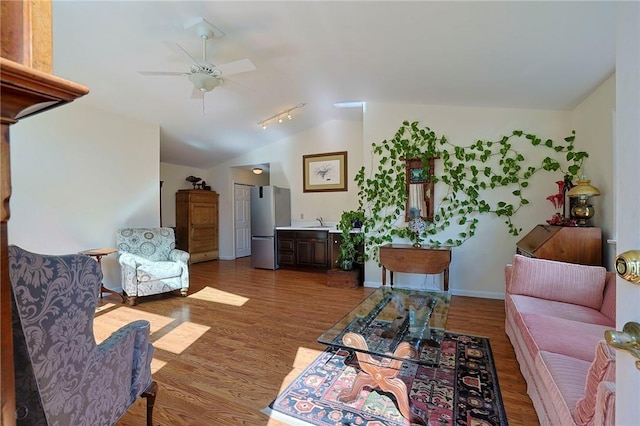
(204, 82)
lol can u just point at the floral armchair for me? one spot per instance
(62, 376)
(150, 262)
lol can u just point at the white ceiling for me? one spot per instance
(541, 55)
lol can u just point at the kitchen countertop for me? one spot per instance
(330, 229)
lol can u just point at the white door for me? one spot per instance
(242, 222)
(627, 158)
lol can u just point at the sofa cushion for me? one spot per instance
(559, 335)
(158, 271)
(609, 302)
(563, 379)
(603, 368)
(557, 309)
(564, 282)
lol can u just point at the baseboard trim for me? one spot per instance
(480, 294)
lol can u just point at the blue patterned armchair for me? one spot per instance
(150, 262)
(62, 376)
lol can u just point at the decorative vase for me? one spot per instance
(417, 225)
(346, 265)
(556, 219)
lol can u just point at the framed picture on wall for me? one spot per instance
(324, 172)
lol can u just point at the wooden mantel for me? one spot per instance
(26, 88)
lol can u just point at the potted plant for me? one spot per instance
(349, 252)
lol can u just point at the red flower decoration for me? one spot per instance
(557, 199)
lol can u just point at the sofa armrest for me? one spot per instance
(125, 357)
(182, 257)
(177, 255)
(605, 414)
(507, 277)
(131, 260)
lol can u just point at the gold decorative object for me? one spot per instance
(583, 211)
(628, 266)
(626, 340)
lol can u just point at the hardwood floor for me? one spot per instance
(223, 353)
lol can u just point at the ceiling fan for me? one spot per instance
(204, 75)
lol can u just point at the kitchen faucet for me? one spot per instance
(319, 219)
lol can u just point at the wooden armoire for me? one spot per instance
(197, 223)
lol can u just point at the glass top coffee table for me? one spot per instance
(391, 326)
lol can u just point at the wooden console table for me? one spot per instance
(415, 260)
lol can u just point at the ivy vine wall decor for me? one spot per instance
(468, 173)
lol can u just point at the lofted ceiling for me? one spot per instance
(513, 54)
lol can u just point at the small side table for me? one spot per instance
(97, 254)
(415, 260)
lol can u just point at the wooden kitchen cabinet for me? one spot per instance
(286, 248)
(582, 245)
(303, 249)
(197, 224)
(312, 252)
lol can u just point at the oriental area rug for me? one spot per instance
(456, 385)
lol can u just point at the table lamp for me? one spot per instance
(581, 210)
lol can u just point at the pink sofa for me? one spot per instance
(556, 316)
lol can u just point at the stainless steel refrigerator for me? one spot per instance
(270, 207)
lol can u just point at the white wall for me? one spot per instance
(285, 159)
(173, 178)
(593, 123)
(477, 266)
(78, 174)
(627, 157)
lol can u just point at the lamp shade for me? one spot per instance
(204, 82)
(583, 189)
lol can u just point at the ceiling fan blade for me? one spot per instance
(236, 67)
(235, 85)
(161, 73)
(195, 62)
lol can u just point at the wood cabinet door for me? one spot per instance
(203, 214)
(320, 253)
(304, 252)
(312, 253)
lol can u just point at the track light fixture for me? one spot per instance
(287, 112)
